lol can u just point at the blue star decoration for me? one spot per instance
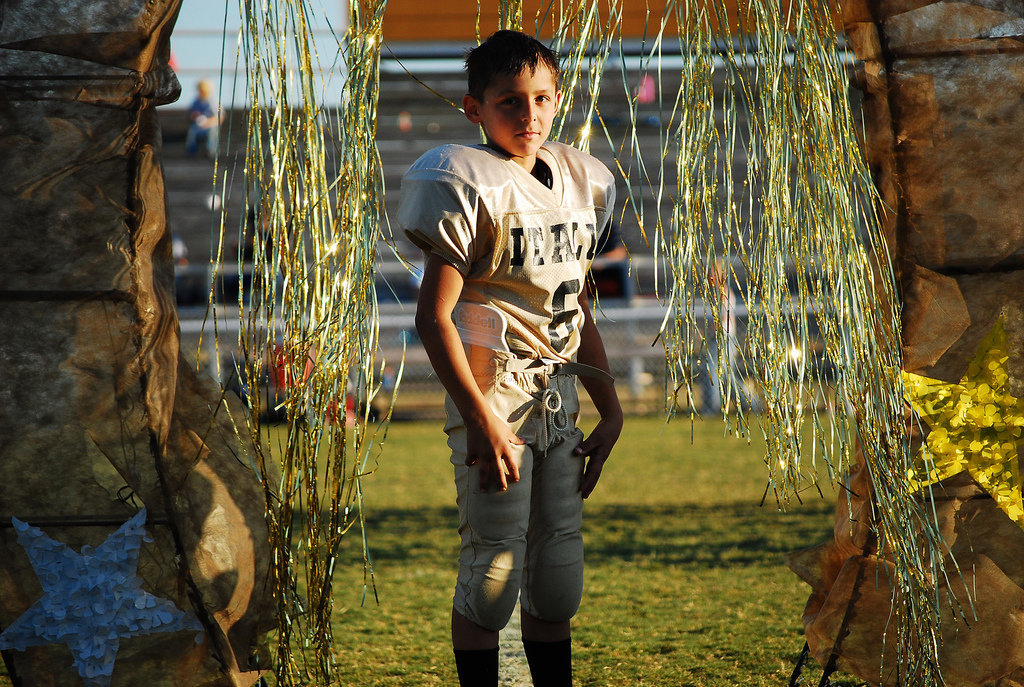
(91, 599)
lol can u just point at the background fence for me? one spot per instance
(629, 328)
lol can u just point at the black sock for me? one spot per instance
(550, 662)
(477, 667)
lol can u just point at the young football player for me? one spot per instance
(509, 230)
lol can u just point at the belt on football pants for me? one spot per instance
(554, 418)
(551, 368)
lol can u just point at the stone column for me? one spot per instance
(99, 414)
(944, 104)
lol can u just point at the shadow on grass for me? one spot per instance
(718, 536)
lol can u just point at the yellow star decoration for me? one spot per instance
(974, 426)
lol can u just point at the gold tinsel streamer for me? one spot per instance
(584, 41)
(792, 240)
(315, 195)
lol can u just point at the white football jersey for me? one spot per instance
(523, 248)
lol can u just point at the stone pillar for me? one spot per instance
(943, 85)
(99, 413)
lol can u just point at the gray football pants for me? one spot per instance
(525, 542)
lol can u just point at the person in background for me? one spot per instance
(187, 290)
(609, 273)
(205, 122)
(179, 251)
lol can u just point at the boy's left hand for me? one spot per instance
(598, 446)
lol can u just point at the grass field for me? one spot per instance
(685, 583)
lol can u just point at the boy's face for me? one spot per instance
(517, 112)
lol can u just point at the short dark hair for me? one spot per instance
(506, 52)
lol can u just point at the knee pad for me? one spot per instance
(554, 604)
(487, 594)
(554, 581)
(492, 614)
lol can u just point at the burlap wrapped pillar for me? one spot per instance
(942, 89)
(99, 414)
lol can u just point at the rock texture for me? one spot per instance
(942, 85)
(99, 415)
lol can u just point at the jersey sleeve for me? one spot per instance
(442, 214)
(607, 210)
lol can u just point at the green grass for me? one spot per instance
(686, 580)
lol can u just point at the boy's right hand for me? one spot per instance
(490, 444)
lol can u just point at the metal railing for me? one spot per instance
(629, 330)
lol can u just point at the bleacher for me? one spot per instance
(411, 120)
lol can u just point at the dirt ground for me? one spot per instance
(513, 668)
